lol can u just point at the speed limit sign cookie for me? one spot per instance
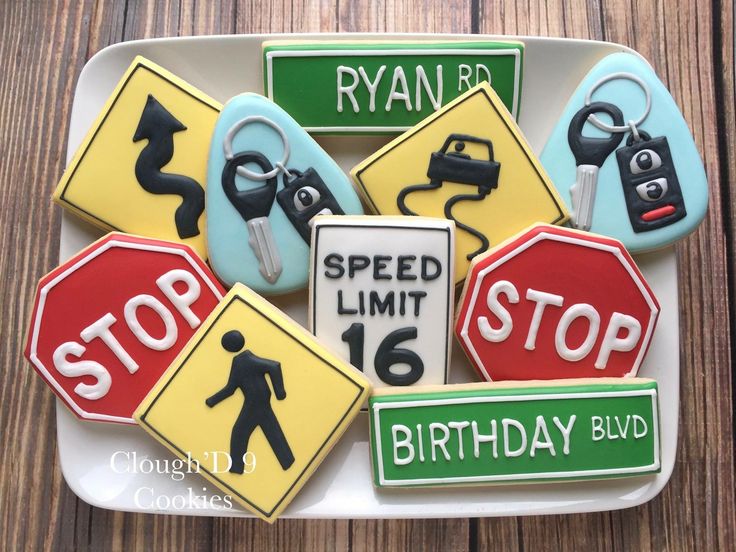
(382, 295)
(554, 303)
(110, 320)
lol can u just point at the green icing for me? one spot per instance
(306, 87)
(597, 446)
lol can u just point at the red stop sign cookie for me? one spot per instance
(108, 322)
(556, 303)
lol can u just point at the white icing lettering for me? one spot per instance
(486, 331)
(422, 81)
(542, 299)
(506, 423)
(182, 301)
(640, 427)
(622, 431)
(459, 426)
(348, 90)
(404, 443)
(611, 341)
(399, 78)
(371, 86)
(478, 438)
(579, 310)
(131, 317)
(565, 431)
(480, 68)
(441, 442)
(91, 368)
(463, 76)
(537, 443)
(101, 329)
(598, 431)
(420, 442)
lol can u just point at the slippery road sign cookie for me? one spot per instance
(108, 322)
(256, 400)
(623, 158)
(141, 168)
(267, 182)
(477, 170)
(556, 303)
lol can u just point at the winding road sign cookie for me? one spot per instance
(364, 87)
(141, 168)
(108, 322)
(469, 163)
(382, 293)
(485, 433)
(267, 181)
(555, 303)
(256, 400)
(623, 158)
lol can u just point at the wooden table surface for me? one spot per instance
(43, 47)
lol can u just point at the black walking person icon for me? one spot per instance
(248, 373)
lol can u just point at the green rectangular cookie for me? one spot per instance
(515, 432)
(383, 87)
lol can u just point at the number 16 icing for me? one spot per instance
(624, 160)
(267, 181)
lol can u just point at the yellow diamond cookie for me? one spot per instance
(142, 167)
(468, 162)
(256, 400)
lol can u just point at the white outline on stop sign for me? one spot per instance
(47, 288)
(654, 310)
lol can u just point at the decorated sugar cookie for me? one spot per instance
(556, 303)
(469, 163)
(267, 181)
(142, 167)
(108, 322)
(256, 401)
(382, 86)
(623, 159)
(480, 433)
(382, 295)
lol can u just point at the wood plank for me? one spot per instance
(700, 494)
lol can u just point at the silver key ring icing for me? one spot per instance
(631, 124)
(227, 145)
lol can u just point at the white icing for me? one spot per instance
(623, 431)
(638, 434)
(420, 442)
(399, 78)
(91, 368)
(422, 81)
(441, 442)
(540, 430)
(403, 443)
(459, 426)
(101, 329)
(347, 89)
(464, 73)
(486, 331)
(506, 423)
(570, 315)
(596, 424)
(131, 317)
(542, 299)
(479, 438)
(372, 86)
(565, 431)
(480, 68)
(611, 341)
(182, 302)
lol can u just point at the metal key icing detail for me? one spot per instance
(590, 153)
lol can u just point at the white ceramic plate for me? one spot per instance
(224, 66)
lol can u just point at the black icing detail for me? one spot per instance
(458, 167)
(354, 336)
(253, 202)
(303, 198)
(655, 177)
(158, 126)
(388, 355)
(248, 373)
(588, 150)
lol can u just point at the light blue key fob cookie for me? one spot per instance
(624, 160)
(267, 180)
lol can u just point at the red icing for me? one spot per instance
(578, 273)
(104, 285)
(656, 214)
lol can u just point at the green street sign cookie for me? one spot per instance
(502, 433)
(379, 87)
